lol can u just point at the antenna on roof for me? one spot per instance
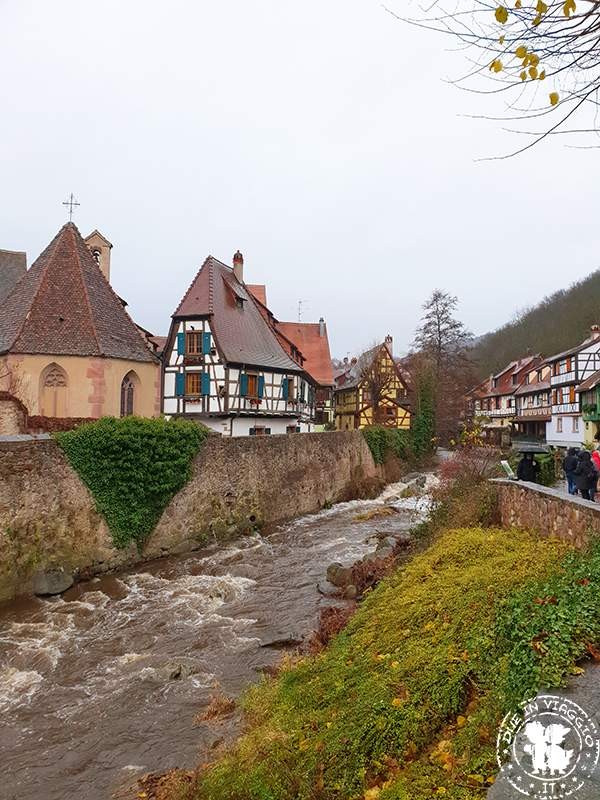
(300, 304)
(71, 203)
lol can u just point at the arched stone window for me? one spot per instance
(53, 391)
(129, 388)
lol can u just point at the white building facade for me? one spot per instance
(569, 369)
(226, 367)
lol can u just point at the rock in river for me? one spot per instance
(339, 575)
(52, 581)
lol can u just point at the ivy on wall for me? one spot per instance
(133, 467)
(383, 440)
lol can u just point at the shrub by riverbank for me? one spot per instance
(405, 702)
(133, 467)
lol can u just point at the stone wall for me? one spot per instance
(47, 515)
(13, 415)
(549, 512)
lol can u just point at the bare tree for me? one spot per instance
(441, 350)
(379, 381)
(542, 57)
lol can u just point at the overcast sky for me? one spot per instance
(320, 138)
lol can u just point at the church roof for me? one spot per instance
(314, 347)
(242, 334)
(13, 265)
(64, 305)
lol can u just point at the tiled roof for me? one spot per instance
(13, 265)
(159, 342)
(589, 383)
(64, 305)
(532, 388)
(314, 347)
(259, 290)
(573, 350)
(242, 334)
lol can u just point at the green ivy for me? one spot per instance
(383, 440)
(133, 467)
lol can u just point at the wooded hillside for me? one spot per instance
(559, 322)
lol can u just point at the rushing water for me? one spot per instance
(106, 682)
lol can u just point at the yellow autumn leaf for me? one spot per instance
(397, 701)
(501, 14)
(521, 51)
(576, 670)
(541, 7)
(543, 75)
(490, 780)
(569, 8)
(476, 780)
(461, 721)
(537, 21)
(554, 98)
(441, 790)
(395, 664)
(533, 73)
(371, 794)
(523, 76)
(501, 39)
(534, 59)
(518, 4)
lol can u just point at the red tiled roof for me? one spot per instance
(242, 334)
(259, 290)
(159, 342)
(314, 347)
(64, 305)
(589, 383)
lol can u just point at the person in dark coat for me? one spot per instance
(569, 466)
(586, 475)
(528, 468)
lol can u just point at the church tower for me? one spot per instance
(100, 249)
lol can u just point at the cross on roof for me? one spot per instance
(71, 203)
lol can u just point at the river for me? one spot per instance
(107, 682)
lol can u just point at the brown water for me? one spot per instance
(88, 697)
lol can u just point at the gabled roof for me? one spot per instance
(589, 383)
(64, 305)
(505, 386)
(96, 234)
(313, 346)
(574, 350)
(13, 265)
(259, 290)
(242, 334)
(354, 374)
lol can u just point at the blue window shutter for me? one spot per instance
(206, 343)
(180, 384)
(205, 383)
(261, 385)
(285, 388)
(181, 344)
(243, 385)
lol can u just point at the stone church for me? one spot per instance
(68, 348)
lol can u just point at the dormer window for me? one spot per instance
(239, 302)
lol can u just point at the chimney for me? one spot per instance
(321, 327)
(595, 331)
(238, 266)
(389, 343)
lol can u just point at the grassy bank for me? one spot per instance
(405, 702)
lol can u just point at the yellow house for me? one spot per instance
(372, 391)
(68, 348)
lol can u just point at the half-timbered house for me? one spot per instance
(569, 370)
(494, 403)
(532, 405)
(371, 390)
(225, 365)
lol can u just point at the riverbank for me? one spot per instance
(115, 675)
(49, 522)
(405, 703)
